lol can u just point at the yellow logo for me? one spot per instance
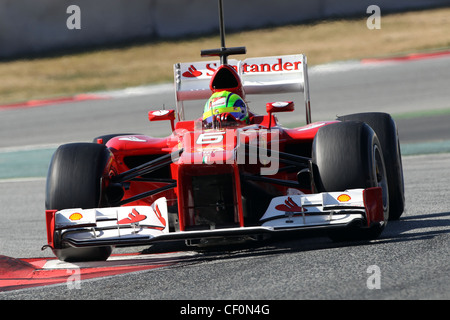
(76, 216)
(344, 198)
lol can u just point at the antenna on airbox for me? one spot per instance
(222, 52)
(221, 25)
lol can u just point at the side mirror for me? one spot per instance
(160, 115)
(283, 106)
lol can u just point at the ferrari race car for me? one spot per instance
(223, 177)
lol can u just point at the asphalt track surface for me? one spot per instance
(411, 255)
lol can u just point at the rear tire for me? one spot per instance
(348, 155)
(74, 180)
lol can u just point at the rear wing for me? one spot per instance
(264, 75)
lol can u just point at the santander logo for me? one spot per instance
(192, 72)
(290, 206)
(133, 217)
(247, 66)
(275, 67)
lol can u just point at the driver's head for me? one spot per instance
(223, 109)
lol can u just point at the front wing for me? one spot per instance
(141, 225)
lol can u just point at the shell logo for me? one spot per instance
(344, 198)
(76, 216)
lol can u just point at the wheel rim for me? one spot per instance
(381, 179)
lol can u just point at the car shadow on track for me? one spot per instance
(417, 227)
(409, 228)
(288, 243)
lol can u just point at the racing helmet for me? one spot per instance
(223, 109)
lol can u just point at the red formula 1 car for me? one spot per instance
(224, 177)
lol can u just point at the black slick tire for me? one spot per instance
(348, 155)
(74, 181)
(387, 133)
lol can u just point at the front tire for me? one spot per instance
(74, 180)
(386, 130)
(348, 155)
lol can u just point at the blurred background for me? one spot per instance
(119, 43)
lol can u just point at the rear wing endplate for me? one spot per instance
(264, 75)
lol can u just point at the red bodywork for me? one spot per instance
(211, 153)
(192, 162)
(214, 182)
(235, 181)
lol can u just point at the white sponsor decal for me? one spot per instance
(207, 138)
(134, 139)
(205, 70)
